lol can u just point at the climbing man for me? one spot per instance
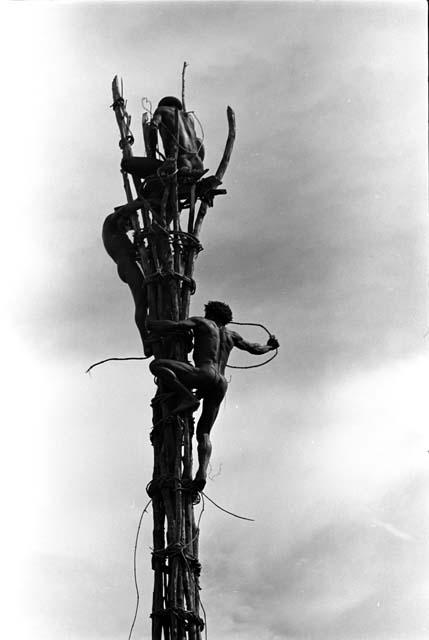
(123, 252)
(213, 343)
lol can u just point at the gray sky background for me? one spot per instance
(322, 237)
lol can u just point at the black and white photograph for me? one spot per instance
(215, 320)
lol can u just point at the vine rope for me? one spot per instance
(260, 364)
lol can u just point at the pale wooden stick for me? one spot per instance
(185, 64)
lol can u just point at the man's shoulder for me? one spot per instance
(164, 110)
(199, 321)
(232, 334)
(204, 324)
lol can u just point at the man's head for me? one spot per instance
(170, 101)
(218, 311)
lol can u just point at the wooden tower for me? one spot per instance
(167, 242)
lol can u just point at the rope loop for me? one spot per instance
(261, 364)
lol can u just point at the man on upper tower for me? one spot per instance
(190, 148)
(191, 151)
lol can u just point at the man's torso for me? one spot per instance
(212, 345)
(186, 136)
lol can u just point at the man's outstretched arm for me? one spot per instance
(254, 347)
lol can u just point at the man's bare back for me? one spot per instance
(212, 344)
(190, 153)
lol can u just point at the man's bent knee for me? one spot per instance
(160, 369)
(155, 367)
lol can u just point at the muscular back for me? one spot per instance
(212, 344)
(187, 138)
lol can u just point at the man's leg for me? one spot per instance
(140, 167)
(179, 377)
(205, 424)
(130, 273)
(211, 404)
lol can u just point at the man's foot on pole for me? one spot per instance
(199, 483)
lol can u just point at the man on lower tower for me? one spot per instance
(213, 343)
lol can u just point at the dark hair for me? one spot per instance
(218, 311)
(170, 101)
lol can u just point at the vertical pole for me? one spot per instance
(174, 589)
(176, 601)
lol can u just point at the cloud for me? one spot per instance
(392, 530)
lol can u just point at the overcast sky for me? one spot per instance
(322, 237)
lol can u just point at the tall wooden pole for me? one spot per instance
(167, 256)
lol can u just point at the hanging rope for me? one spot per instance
(194, 115)
(110, 359)
(226, 510)
(135, 570)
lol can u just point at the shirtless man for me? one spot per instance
(191, 152)
(122, 251)
(213, 343)
(190, 155)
